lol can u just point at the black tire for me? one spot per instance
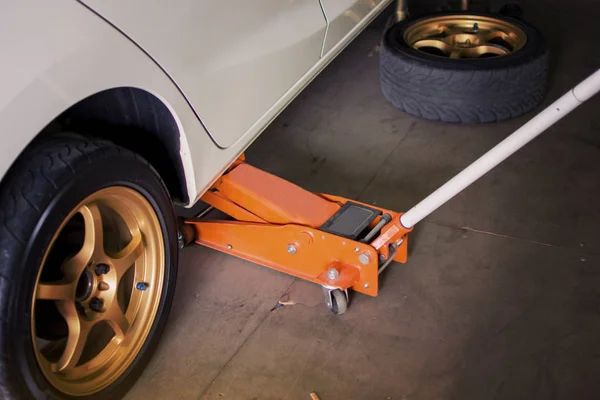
(38, 192)
(466, 91)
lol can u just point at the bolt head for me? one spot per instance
(141, 286)
(292, 249)
(366, 285)
(364, 258)
(180, 240)
(101, 269)
(96, 304)
(229, 247)
(333, 274)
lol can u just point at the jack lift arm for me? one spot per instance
(335, 242)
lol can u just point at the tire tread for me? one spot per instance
(435, 92)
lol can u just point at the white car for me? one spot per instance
(111, 111)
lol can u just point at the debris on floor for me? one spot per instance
(283, 304)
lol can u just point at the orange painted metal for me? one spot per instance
(219, 202)
(393, 233)
(240, 160)
(277, 226)
(297, 250)
(273, 199)
(390, 233)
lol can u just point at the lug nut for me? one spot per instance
(101, 269)
(180, 240)
(141, 286)
(96, 304)
(103, 286)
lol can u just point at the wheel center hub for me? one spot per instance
(85, 286)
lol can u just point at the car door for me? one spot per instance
(231, 59)
(343, 16)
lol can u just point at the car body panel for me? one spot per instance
(58, 53)
(343, 16)
(232, 60)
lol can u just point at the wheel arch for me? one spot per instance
(137, 120)
(86, 76)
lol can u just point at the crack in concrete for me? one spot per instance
(531, 241)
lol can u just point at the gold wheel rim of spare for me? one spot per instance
(116, 229)
(465, 36)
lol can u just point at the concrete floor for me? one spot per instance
(500, 297)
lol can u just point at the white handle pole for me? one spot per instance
(504, 149)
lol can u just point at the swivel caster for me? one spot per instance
(336, 300)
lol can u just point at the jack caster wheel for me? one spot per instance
(336, 300)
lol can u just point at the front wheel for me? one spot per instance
(464, 67)
(88, 244)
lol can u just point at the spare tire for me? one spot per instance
(464, 67)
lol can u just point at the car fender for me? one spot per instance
(58, 53)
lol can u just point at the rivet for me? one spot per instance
(364, 258)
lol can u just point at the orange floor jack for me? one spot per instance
(325, 239)
(335, 242)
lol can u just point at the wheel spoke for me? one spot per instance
(125, 258)
(478, 51)
(117, 321)
(73, 267)
(59, 290)
(78, 334)
(493, 34)
(94, 233)
(93, 242)
(437, 43)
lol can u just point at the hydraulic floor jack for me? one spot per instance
(335, 242)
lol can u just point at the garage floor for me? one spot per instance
(500, 297)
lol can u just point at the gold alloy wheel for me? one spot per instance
(98, 291)
(465, 36)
